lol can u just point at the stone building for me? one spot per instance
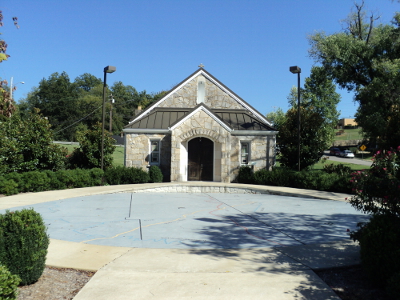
(202, 131)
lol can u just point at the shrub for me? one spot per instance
(88, 155)
(380, 247)
(8, 187)
(339, 169)
(377, 190)
(35, 181)
(125, 175)
(245, 175)
(155, 174)
(26, 145)
(24, 244)
(8, 284)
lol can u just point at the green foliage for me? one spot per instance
(314, 180)
(64, 102)
(364, 58)
(36, 181)
(25, 244)
(155, 174)
(26, 145)
(88, 155)
(8, 187)
(313, 139)
(380, 247)
(125, 175)
(277, 118)
(377, 190)
(337, 168)
(245, 175)
(8, 284)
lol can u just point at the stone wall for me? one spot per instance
(137, 150)
(215, 97)
(261, 153)
(200, 124)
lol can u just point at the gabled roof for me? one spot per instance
(207, 110)
(170, 118)
(201, 71)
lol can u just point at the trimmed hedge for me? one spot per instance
(313, 180)
(8, 284)
(155, 174)
(124, 175)
(36, 181)
(23, 244)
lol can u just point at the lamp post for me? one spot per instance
(11, 86)
(111, 103)
(297, 70)
(108, 69)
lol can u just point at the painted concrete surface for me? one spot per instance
(197, 220)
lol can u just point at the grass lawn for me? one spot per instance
(349, 134)
(118, 155)
(320, 165)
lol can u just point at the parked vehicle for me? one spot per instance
(347, 153)
(334, 151)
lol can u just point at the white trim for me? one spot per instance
(227, 128)
(145, 131)
(253, 132)
(158, 140)
(255, 112)
(247, 142)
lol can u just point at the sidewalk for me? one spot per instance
(139, 273)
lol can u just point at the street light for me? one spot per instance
(297, 70)
(11, 86)
(108, 69)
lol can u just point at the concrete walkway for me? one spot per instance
(284, 272)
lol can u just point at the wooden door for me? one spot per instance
(200, 159)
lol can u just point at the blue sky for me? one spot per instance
(154, 44)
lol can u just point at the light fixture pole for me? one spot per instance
(297, 70)
(111, 107)
(11, 86)
(108, 69)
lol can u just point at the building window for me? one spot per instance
(155, 152)
(244, 153)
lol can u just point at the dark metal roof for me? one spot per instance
(160, 118)
(237, 119)
(241, 120)
(155, 104)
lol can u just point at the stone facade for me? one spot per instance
(200, 124)
(199, 95)
(214, 97)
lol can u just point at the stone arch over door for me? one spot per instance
(200, 159)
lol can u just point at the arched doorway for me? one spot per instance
(200, 159)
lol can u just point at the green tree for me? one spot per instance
(365, 58)
(88, 155)
(277, 118)
(26, 145)
(312, 140)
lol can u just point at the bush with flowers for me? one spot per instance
(377, 192)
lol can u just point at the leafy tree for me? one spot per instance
(86, 82)
(364, 58)
(88, 155)
(277, 118)
(312, 138)
(26, 145)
